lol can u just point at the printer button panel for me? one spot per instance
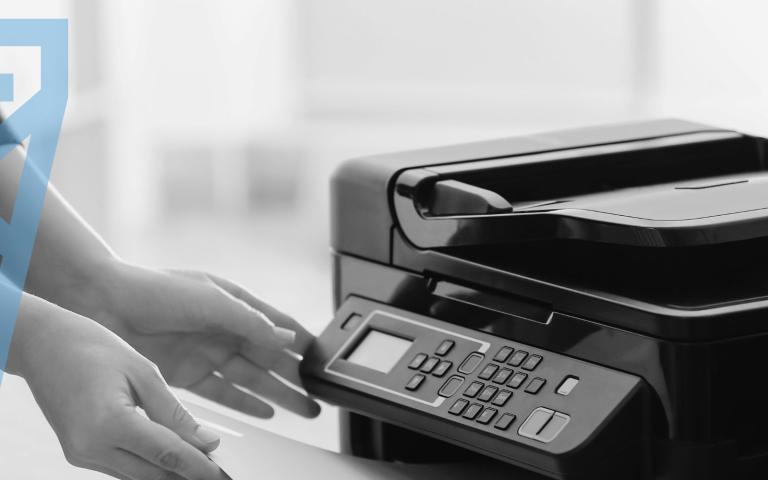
(467, 378)
(484, 382)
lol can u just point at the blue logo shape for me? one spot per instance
(39, 121)
(6, 87)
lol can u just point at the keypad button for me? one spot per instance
(544, 424)
(535, 422)
(502, 398)
(502, 376)
(535, 385)
(503, 354)
(470, 363)
(517, 358)
(458, 406)
(473, 389)
(553, 428)
(442, 368)
(567, 385)
(487, 415)
(444, 348)
(505, 421)
(487, 393)
(487, 372)
(415, 382)
(517, 380)
(417, 361)
(430, 364)
(472, 411)
(532, 362)
(450, 386)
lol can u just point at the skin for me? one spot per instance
(99, 340)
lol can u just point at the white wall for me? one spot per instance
(711, 62)
(495, 60)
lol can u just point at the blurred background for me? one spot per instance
(202, 134)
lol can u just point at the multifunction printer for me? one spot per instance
(589, 303)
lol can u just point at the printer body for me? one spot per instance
(589, 303)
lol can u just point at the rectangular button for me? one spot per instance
(487, 393)
(532, 362)
(487, 372)
(535, 422)
(444, 348)
(487, 415)
(415, 382)
(503, 354)
(502, 376)
(451, 386)
(502, 398)
(472, 411)
(352, 322)
(417, 361)
(517, 358)
(458, 406)
(567, 385)
(505, 421)
(473, 389)
(442, 368)
(553, 427)
(470, 363)
(535, 385)
(517, 380)
(430, 364)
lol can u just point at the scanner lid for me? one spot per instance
(702, 188)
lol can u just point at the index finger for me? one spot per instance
(163, 448)
(223, 311)
(303, 338)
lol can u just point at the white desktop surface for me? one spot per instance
(30, 450)
(249, 453)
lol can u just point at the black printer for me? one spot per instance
(589, 303)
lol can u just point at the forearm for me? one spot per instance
(69, 258)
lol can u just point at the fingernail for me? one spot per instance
(284, 335)
(207, 437)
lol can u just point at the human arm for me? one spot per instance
(89, 383)
(205, 333)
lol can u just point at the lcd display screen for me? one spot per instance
(379, 351)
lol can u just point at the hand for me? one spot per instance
(210, 336)
(89, 383)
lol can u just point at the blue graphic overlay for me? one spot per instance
(39, 121)
(6, 87)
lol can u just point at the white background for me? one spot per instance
(202, 134)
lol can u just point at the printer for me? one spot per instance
(589, 303)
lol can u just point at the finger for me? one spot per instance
(129, 466)
(303, 338)
(163, 448)
(162, 406)
(280, 362)
(241, 372)
(223, 392)
(225, 312)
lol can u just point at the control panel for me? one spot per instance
(509, 400)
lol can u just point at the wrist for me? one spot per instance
(31, 326)
(102, 300)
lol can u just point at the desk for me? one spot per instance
(32, 452)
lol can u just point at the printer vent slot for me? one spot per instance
(492, 302)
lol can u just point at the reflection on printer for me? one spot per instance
(582, 304)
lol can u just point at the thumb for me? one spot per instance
(162, 406)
